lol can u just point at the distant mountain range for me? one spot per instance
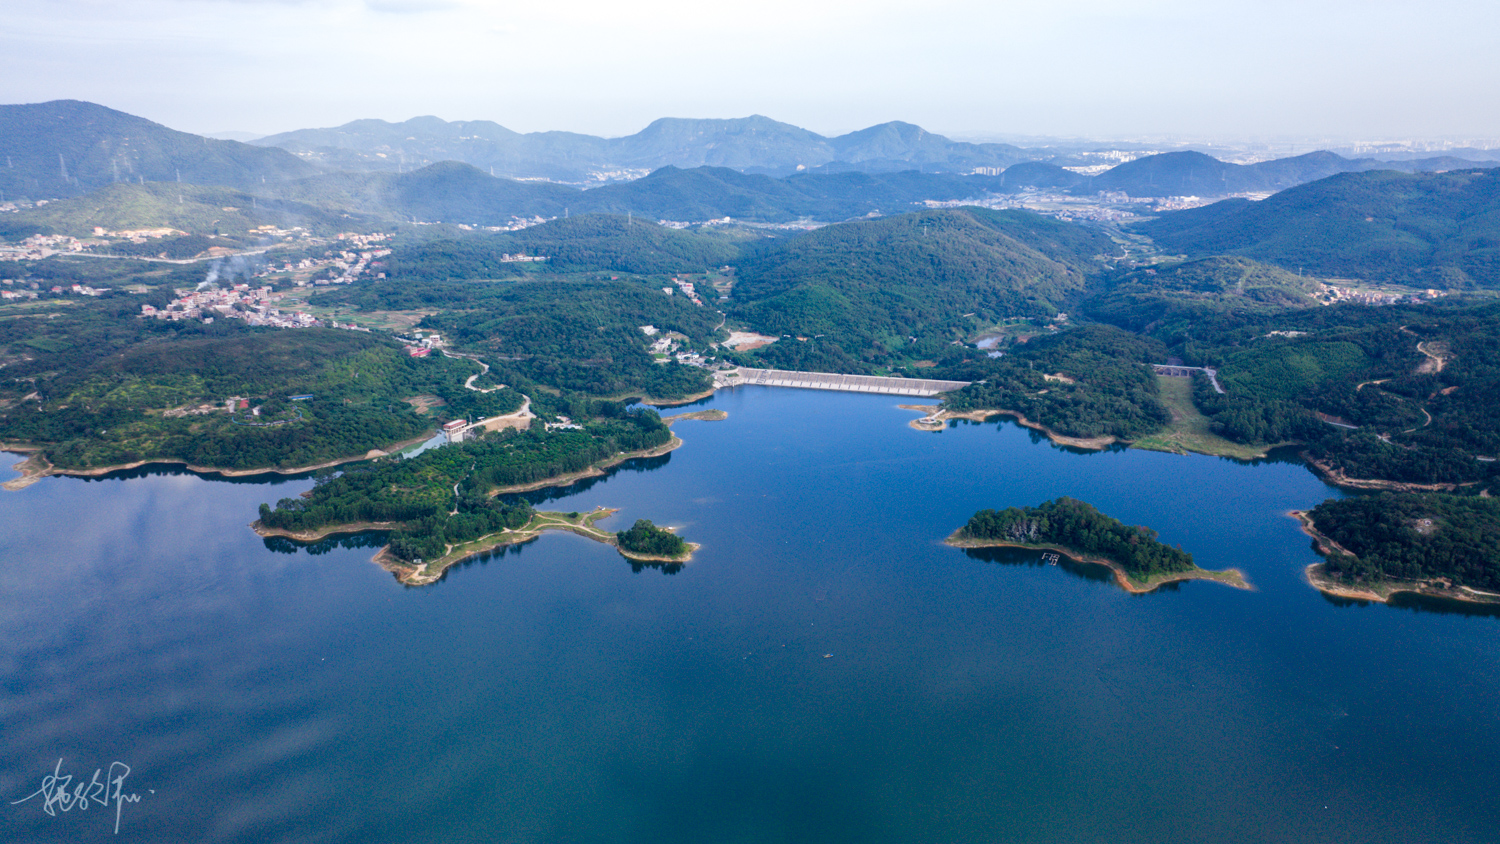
(692, 170)
(750, 144)
(68, 148)
(1195, 174)
(459, 193)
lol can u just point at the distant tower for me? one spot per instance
(62, 166)
(179, 177)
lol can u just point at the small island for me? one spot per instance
(1374, 546)
(645, 541)
(1067, 526)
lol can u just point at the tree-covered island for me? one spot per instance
(1067, 526)
(1434, 544)
(646, 541)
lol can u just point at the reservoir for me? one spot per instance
(824, 670)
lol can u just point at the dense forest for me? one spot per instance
(419, 493)
(594, 242)
(1413, 536)
(646, 538)
(93, 387)
(576, 335)
(1077, 526)
(1426, 229)
(1091, 381)
(873, 287)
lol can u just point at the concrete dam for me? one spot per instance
(923, 387)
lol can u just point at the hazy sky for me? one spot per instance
(1101, 68)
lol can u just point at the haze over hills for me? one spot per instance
(68, 148)
(753, 143)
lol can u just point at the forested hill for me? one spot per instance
(459, 193)
(445, 192)
(1170, 296)
(873, 283)
(195, 209)
(68, 148)
(593, 242)
(1195, 174)
(1429, 229)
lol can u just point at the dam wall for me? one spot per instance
(923, 387)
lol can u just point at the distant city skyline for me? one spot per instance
(1240, 71)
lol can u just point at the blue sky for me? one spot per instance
(1241, 69)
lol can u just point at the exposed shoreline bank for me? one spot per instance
(937, 419)
(428, 572)
(1228, 577)
(31, 473)
(1381, 591)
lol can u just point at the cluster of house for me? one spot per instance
(687, 289)
(420, 345)
(1329, 294)
(253, 305)
(40, 246)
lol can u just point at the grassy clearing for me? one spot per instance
(1189, 431)
(395, 322)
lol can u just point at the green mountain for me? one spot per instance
(194, 209)
(1196, 174)
(459, 193)
(449, 191)
(1146, 299)
(590, 242)
(1424, 229)
(68, 148)
(705, 193)
(870, 285)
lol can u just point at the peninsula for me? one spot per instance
(420, 572)
(1067, 526)
(1375, 546)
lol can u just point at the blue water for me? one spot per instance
(825, 670)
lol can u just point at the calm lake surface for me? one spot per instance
(825, 670)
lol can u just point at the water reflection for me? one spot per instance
(364, 539)
(1031, 558)
(154, 470)
(1419, 603)
(538, 497)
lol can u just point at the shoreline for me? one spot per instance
(1228, 577)
(1339, 479)
(309, 536)
(593, 471)
(713, 415)
(431, 571)
(1379, 592)
(937, 419)
(30, 478)
(688, 399)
